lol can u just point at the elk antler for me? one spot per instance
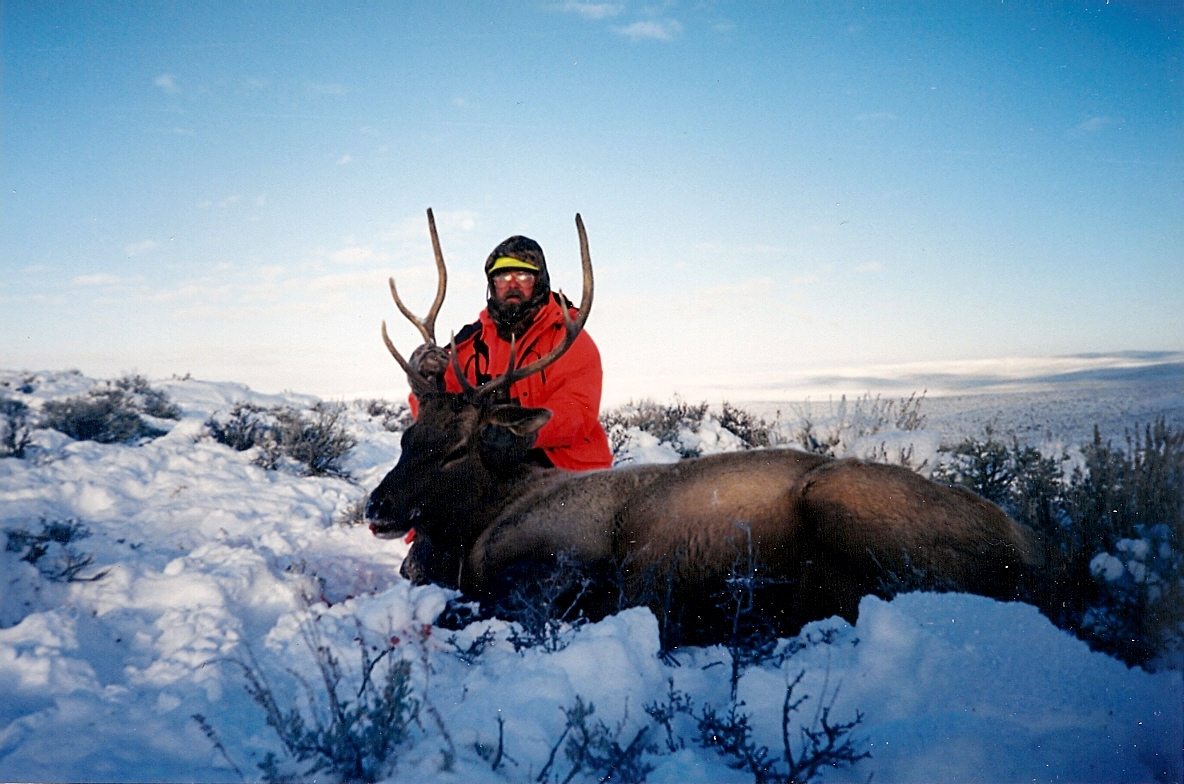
(426, 327)
(572, 330)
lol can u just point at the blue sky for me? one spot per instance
(769, 188)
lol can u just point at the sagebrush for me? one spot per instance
(316, 438)
(15, 427)
(665, 421)
(112, 412)
(395, 417)
(830, 434)
(845, 421)
(52, 550)
(350, 728)
(1111, 528)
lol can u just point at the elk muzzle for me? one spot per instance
(385, 524)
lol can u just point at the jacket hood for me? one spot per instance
(515, 319)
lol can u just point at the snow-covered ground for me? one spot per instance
(1064, 415)
(203, 556)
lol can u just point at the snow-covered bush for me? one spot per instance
(729, 731)
(14, 427)
(545, 606)
(105, 418)
(753, 430)
(594, 749)
(1141, 602)
(243, 427)
(316, 439)
(1121, 596)
(150, 401)
(651, 432)
(55, 539)
(666, 422)
(395, 417)
(352, 728)
(355, 724)
(26, 385)
(845, 423)
(354, 513)
(874, 429)
(751, 637)
(110, 413)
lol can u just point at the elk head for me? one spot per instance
(463, 453)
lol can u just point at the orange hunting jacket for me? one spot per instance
(569, 387)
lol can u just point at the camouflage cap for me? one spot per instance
(517, 252)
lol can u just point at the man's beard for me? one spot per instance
(514, 316)
(510, 312)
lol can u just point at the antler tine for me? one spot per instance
(423, 328)
(441, 279)
(572, 327)
(395, 352)
(416, 379)
(468, 388)
(427, 326)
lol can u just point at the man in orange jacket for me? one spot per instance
(521, 304)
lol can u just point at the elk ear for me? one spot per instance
(519, 420)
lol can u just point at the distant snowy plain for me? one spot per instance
(204, 555)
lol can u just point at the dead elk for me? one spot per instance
(826, 532)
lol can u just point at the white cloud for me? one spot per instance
(260, 201)
(415, 228)
(736, 251)
(464, 220)
(347, 281)
(591, 10)
(98, 279)
(654, 30)
(229, 200)
(138, 248)
(743, 291)
(356, 254)
(205, 204)
(167, 82)
(1096, 124)
(195, 291)
(370, 130)
(873, 266)
(344, 159)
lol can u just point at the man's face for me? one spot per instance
(513, 286)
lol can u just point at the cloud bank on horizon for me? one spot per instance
(770, 192)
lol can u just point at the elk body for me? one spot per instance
(824, 532)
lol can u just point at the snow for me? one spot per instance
(204, 558)
(1106, 566)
